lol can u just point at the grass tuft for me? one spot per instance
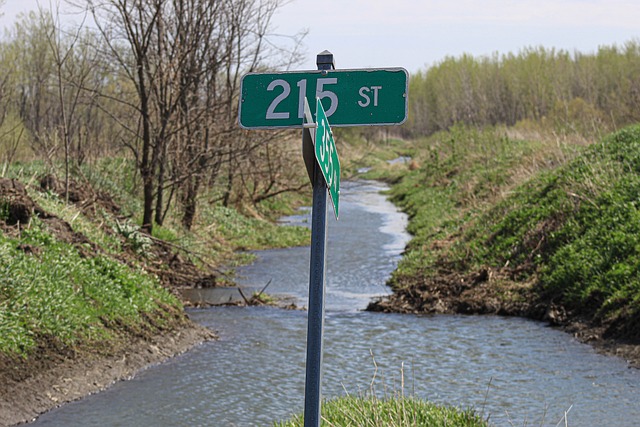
(390, 412)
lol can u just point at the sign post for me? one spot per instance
(315, 319)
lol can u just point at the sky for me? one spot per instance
(416, 34)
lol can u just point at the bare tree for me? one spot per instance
(184, 59)
(71, 73)
(33, 68)
(129, 29)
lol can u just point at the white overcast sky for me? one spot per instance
(415, 34)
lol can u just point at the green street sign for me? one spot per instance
(349, 97)
(327, 155)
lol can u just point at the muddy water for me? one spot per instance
(516, 371)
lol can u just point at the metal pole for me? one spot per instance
(315, 320)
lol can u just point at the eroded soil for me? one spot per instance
(57, 376)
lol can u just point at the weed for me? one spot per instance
(134, 237)
(392, 412)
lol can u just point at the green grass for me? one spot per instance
(463, 172)
(50, 202)
(251, 233)
(218, 230)
(394, 409)
(357, 151)
(392, 412)
(595, 262)
(578, 227)
(119, 178)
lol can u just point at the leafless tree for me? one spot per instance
(184, 59)
(72, 70)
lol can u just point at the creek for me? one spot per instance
(518, 372)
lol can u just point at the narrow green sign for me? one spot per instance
(327, 156)
(349, 97)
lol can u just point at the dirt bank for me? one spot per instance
(27, 390)
(494, 292)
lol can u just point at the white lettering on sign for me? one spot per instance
(327, 149)
(327, 94)
(302, 91)
(271, 111)
(321, 93)
(364, 93)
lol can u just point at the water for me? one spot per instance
(516, 371)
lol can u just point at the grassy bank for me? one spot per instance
(575, 232)
(453, 176)
(87, 296)
(533, 227)
(53, 293)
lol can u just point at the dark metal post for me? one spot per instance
(315, 320)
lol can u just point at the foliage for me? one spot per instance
(391, 407)
(88, 93)
(52, 203)
(579, 225)
(115, 175)
(76, 295)
(369, 159)
(584, 93)
(134, 237)
(251, 233)
(463, 172)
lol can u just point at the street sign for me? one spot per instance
(349, 97)
(327, 155)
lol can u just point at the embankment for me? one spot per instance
(79, 309)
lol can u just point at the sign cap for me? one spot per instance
(325, 61)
